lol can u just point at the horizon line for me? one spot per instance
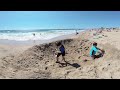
(62, 28)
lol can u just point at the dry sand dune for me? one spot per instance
(38, 62)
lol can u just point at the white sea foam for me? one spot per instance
(28, 35)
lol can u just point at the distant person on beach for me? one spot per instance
(96, 52)
(34, 34)
(76, 32)
(60, 52)
(99, 31)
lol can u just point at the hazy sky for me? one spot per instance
(58, 19)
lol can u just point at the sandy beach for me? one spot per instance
(29, 60)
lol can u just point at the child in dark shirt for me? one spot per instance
(61, 52)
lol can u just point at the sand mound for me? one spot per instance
(43, 58)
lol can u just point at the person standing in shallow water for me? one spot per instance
(76, 32)
(34, 37)
(61, 52)
(34, 34)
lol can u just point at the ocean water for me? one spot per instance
(24, 35)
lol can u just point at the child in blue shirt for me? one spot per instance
(94, 50)
(61, 52)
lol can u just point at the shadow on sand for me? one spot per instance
(76, 65)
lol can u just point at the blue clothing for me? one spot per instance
(62, 49)
(93, 50)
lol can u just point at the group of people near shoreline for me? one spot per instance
(40, 33)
